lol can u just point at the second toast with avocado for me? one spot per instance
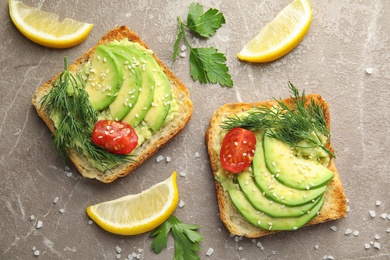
(284, 187)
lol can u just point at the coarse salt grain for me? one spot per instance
(367, 246)
(316, 247)
(181, 204)
(118, 249)
(378, 203)
(36, 253)
(377, 245)
(356, 233)
(55, 200)
(210, 251)
(62, 211)
(39, 224)
(259, 245)
(182, 174)
(348, 231)
(168, 159)
(159, 158)
(334, 228)
(32, 217)
(369, 71)
(384, 216)
(372, 213)
(90, 222)
(377, 237)
(197, 155)
(388, 230)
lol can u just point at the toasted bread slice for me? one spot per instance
(148, 148)
(335, 201)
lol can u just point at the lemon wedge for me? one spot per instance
(45, 28)
(281, 35)
(137, 213)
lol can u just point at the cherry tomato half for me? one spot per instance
(115, 137)
(237, 149)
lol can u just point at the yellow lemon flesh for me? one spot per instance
(281, 35)
(137, 213)
(45, 28)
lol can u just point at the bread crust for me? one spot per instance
(335, 201)
(148, 148)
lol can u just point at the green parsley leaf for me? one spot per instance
(208, 65)
(205, 24)
(185, 235)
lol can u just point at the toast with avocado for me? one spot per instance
(121, 83)
(268, 176)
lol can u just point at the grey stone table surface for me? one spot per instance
(345, 57)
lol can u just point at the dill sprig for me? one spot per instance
(68, 104)
(292, 124)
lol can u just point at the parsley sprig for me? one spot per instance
(206, 64)
(185, 235)
(302, 120)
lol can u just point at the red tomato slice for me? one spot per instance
(237, 149)
(115, 137)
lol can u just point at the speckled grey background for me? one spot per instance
(345, 39)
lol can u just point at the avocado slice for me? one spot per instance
(275, 190)
(162, 95)
(264, 221)
(263, 204)
(104, 80)
(129, 92)
(291, 170)
(146, 95)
